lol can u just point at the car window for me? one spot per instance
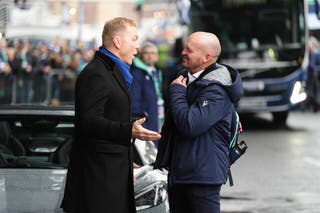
(40, 143)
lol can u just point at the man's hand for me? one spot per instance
(138, 131)
(180, 80)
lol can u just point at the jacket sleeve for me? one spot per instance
(194, 119)
(93, 95)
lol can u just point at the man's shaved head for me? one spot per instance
(208, 42)
(201, 50)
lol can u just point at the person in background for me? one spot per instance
(25, 76)
(100, 173)
(42, 75)
(5, 74)
(15, 67)
(313, 84)
(146, 90)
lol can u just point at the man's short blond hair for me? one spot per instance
(113, 27)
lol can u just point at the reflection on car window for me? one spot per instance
(39, 143)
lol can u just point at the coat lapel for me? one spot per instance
(115, 71)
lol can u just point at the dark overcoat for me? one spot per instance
(99, 178)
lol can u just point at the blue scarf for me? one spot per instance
(123, 67)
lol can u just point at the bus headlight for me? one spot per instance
(298, 93)
(152, 195)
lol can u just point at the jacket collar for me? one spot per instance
(110, 65)
(207, 70)
(123, 67)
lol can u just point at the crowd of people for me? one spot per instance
(44, 71)
(34, 71)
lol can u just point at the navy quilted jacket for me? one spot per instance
(201, 114)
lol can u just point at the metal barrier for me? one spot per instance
(54, 88)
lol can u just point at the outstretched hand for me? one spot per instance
(138, 131)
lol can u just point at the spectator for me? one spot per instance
(42, 75)
(24, 75)
(313, 84)
(146, 88)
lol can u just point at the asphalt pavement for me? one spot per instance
(280, 172)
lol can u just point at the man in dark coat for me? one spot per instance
(202, 100)
(100, 174)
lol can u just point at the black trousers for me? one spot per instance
(194, 198)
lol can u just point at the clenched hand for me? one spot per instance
(180, 80)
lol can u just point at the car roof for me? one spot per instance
(36, 110)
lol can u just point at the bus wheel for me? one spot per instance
(280, 118)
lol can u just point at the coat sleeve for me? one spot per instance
(93, 95)
(196, 118)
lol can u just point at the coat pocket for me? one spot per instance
(184, 162)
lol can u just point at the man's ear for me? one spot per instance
(205, 58)
(117, 42)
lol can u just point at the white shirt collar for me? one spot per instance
(192, 77)
(150, 69)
